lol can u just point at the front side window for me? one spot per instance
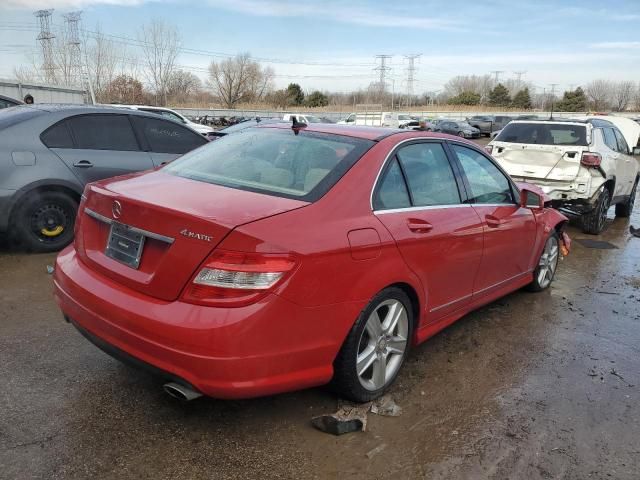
(488, 184)
(622, 143)
(429, 175)
(169, 137)
(103, 132)
(274, 161)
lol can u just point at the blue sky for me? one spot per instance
(331, 44)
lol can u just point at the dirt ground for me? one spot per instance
(533, 386)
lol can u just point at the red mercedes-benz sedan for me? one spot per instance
(281, 258)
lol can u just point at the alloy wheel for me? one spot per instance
(548, 262)
(382, 345)
(604, 208)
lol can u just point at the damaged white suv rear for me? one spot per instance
(585, 166)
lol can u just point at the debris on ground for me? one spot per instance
(634, 231)
(372, 453)
(386, 406)
(349, 417)
(352, 417)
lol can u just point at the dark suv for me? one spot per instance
(487, 124)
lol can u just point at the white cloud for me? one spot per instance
(35, 4)
(339, 12)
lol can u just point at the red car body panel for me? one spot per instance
(346, 254)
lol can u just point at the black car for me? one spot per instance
(6, 102)
(460, 128)
(487, 124)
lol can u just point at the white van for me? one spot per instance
(377, 119)
(302, 117)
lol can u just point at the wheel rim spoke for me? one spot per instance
(397, 345)
(366, 359)
(379, 371)
(374, 328)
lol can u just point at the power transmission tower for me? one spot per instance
(519, 76)
(72, 19)
(411, 70)
(497, 74)
(45, 37)
(553, 97)
(382, 70)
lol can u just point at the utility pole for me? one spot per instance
(382, 70)
(72, 19)
(411, 70)
(497, 74)
(45, 37)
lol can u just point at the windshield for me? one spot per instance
(312, 119)
(273, 161)
(404, 117)
(544, 134)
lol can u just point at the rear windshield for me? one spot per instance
(273, 161)
(544, 134)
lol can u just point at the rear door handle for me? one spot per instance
(83, 164)
(419, 226)
(492, 221)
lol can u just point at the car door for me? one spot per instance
(419, 200)
(628, 164)
(166, 140)
(98, 146)
(509, 230)
(615, 158)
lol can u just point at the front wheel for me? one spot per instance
(545, 272)
(626, 209)
(44, 221)
(594, 221)
(376, 347)
(461, 134)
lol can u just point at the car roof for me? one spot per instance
(368, 133)
(71, 109)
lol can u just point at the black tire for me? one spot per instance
(626, 209)
(461, 134)
(537, 285)
(345, 380)
(44, 221)
(593, 222)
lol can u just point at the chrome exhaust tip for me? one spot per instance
(180, 392)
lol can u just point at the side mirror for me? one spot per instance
(636, 150)
(531, 199)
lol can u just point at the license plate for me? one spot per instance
(125, 245)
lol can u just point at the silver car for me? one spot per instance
(48, 153)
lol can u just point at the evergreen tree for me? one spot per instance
(522, 99)
(296, 93)
(499, 96)
(465, 98)
(573, 101)
(317, 99)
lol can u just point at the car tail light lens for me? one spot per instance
(590, 159)
(488, 149)
(235, 279)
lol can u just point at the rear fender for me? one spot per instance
(554, 220)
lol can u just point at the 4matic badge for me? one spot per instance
(198, 236)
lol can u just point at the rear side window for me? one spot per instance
(544, 134)
(103, 132)
(57, 136)
(488, 184)
(273, 161)
(165, 136)
(392, 192)
(610, 139)
(429, 175)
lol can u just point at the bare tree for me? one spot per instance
(239, 79)
(182, 86)
(26, 74)
(480, 84)
(636, 98)
(622, 94)
(160, 47)
(103, 59)
(599, 93)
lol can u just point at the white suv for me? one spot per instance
(585, 166)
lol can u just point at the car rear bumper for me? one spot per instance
(269, 347)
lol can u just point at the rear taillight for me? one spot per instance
(590, 159)
(234, 279)
(488, 149)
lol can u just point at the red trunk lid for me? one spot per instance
(182, 221)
